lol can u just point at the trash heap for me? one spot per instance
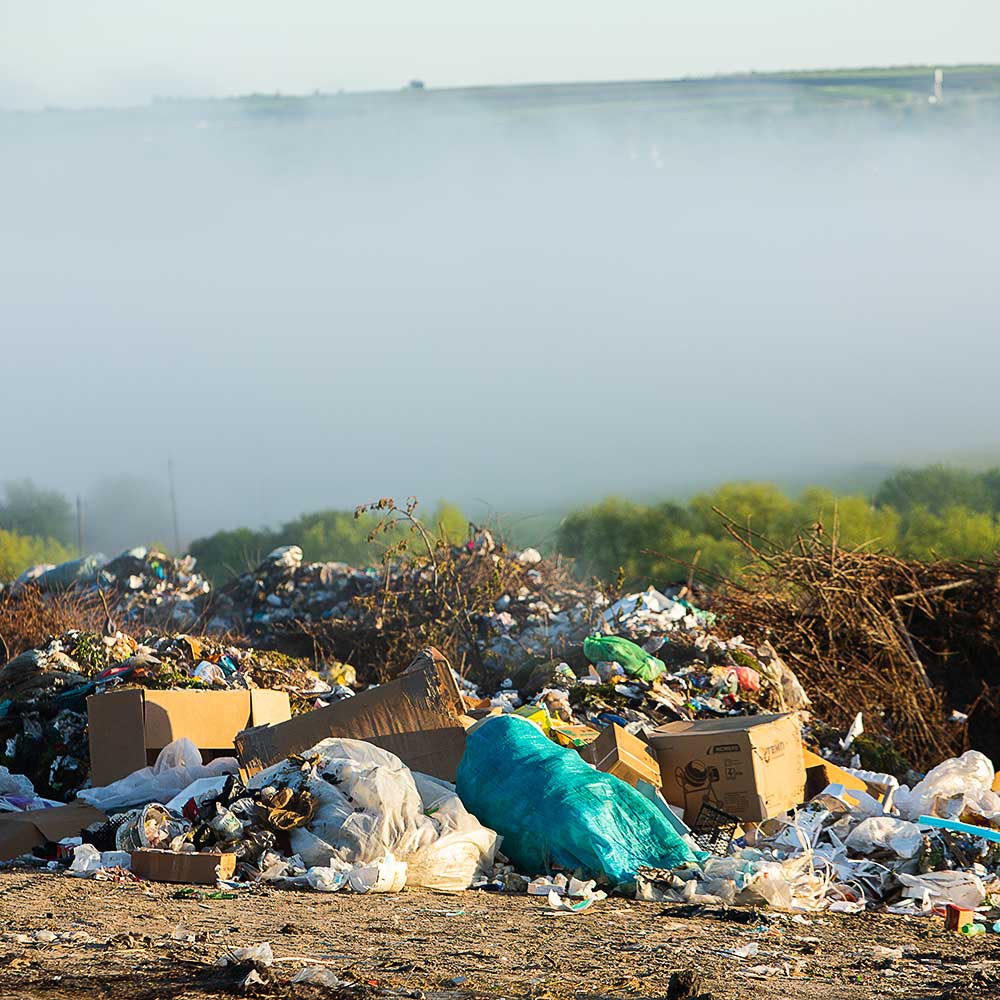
(563, 744)
(141, 586)
(910, 851)
(529, 620)
(43, 691)
(414, 783)
(479, 604)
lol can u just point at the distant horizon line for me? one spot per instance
(524, 85)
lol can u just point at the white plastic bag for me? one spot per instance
(886, 832)
(201, 791)
(88, 859)
(177, 766)
(370, 805)
(937, 888)
(954, 786)
(15, 784)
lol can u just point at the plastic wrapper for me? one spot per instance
(879, 833)
(177, 766)
(957, 786)
(554, 810)
(369, 805)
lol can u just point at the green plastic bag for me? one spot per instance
(555, 811)
(635, 661)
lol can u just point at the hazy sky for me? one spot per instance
(85, 52)
(532, 306)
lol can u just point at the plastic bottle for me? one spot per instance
(972, 930)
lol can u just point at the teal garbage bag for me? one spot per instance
(555, 811)
(635, 661)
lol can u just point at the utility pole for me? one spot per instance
(173, 506)
(79, 526)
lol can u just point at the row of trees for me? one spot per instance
(929, 513)
(926, 513)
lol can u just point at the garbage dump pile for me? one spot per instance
(422, 781)
(585, 747)
(142, 585)
(485, 608)
(44, 691)
(913, 645)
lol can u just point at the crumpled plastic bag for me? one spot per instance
(369, 805)
(876, 833)
(555, 811)
(635, 661)
(937, 888)
(15, 784)
(956, 786)
(87, 859)
(177, 766)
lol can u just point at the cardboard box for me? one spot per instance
(616, 751)
(128, 727)
(168, 866)
(748, 766)
(576, 737)
(21, 832)
(417, 717)
(821, 772)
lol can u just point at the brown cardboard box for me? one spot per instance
(618, 752)
(749, 766)
(821, 772)
(128, 727)
(168, 866)
(22, 831)
(417, 717)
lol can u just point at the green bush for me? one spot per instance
(19, 552)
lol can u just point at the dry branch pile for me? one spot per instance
(907, 643)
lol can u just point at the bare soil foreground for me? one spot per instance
(135, 941)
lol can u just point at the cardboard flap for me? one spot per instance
(267, 707)
(436, 752)
(116, 734)
(426, 699)
(729, 724)
(22, 831)
(75, 816)
(207, 718)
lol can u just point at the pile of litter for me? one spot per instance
(485, 609)
(580, 746)
(533, 624)
(43, 691)
(411, 783)
(142, 586)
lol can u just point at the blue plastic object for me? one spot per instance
(956, 827)
(555, 811)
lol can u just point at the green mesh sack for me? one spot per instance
(635, 661)
(555, 811)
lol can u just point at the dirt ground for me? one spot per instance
(134, 941)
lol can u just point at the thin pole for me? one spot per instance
(173, 506)
(79, 526)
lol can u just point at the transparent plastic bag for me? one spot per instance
(878, 833)
(177, 766)
(370, 806)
